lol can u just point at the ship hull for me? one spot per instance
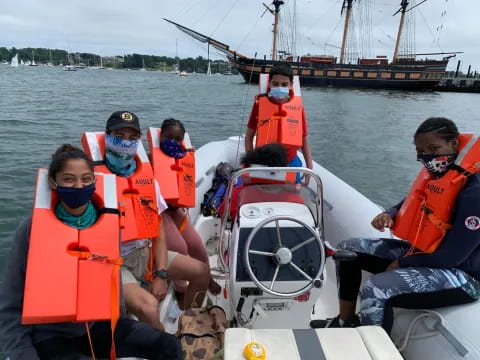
(414, 75)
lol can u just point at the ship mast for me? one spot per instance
(403, 10)
(348, 5)
(275, 12)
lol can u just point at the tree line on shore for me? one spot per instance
(130, 61)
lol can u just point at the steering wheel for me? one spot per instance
(283, 255)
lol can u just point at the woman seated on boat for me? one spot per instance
(71, 176)
(271, 155)
(439, 265)
(181, 235)
(121, 142)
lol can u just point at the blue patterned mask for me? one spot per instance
(120, 155)
(172, 148)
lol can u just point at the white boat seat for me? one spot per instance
(362, 343)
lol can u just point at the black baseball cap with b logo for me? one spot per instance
(122, 119)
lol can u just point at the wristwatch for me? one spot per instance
(163, 273)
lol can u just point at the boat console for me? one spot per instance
(275, 259)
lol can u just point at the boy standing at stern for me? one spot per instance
(279, 117)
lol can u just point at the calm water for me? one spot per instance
(364, 137)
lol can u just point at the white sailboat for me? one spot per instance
(209, 69)
(176, 67)
(14, 61)
(69, 66)
(50, 63)
(143, 65)
(33, 63)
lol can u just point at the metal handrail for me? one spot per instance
(272, 171)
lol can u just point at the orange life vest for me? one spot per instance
(279, 123)
(72, 275)
(175, 176)
(424, 216)
(136, 194)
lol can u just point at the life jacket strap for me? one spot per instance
(439, 224)
(149, 270)
(114, 291)
(109, 211)
(98, 162)
(183, 224)
(460, 170)
(90, 340)
(121, 209)
(150, 204)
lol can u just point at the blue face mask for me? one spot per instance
(75, 197)
(172, 148)
(120, 155)
(279, 93)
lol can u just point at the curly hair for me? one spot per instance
(171, 122)
(271, 155)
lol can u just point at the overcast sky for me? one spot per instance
(109, 27)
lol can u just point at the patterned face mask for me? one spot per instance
(120, 155)
(437, 164)
(172, 148)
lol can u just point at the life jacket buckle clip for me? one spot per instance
(97, 257)
(426, 210)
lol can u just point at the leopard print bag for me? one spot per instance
(201, 332)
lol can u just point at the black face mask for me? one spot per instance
(75, 197)
(437, 164)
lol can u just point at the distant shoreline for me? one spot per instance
(59, 57)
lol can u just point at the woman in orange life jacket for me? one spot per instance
(71, 177)
(280, 87)
(404, 275)
(142, 298)
(181, 235)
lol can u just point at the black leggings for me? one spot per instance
(132, 339)
(350, 273)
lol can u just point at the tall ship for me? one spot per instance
(404, 71)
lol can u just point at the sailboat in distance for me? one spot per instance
(33, 63)
(14, 61)
(69, 66)
(143, 65)
(50, 63)
(404, 71)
